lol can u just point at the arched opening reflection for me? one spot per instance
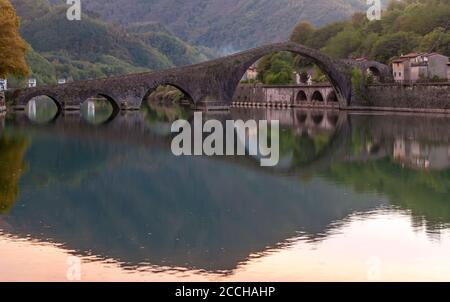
(317, 118)
(42, 109)
(163, 105)
(301, 117)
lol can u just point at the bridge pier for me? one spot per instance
(68, 107)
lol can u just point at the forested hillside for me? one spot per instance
(229, 25)
(92, 48)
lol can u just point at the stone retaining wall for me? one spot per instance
(400, 97)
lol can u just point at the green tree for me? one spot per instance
(436, 41)
(302, 32)
(324, 34)
(344, 44)
(277, 69)
(392, 45)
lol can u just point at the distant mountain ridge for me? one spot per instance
(229, 25)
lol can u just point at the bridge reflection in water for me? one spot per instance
(116, 192)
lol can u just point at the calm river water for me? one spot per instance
(355, 197)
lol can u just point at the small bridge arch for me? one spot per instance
(108, 97)
(152, 88)
(301, 97)
(317, 97)
(44, 93)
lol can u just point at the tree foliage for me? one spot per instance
(405, 26)
(276, 69)
(302, 32)
(12, 46)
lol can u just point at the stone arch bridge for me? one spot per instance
(210, 83)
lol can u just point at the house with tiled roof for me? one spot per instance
(415, 66)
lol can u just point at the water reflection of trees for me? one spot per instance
(424, 194)
(155, 112)
(12, 166)
(303, 147)
(160, 116)
(404, 158)
(408, 163)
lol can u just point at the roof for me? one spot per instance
(434, 54)
(412, 55)
(400, 60)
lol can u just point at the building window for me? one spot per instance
(399, 74)
(395, 74)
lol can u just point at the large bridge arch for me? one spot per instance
(337, 71)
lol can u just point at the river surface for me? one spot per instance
(355, 197)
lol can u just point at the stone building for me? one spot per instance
(420, 66)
